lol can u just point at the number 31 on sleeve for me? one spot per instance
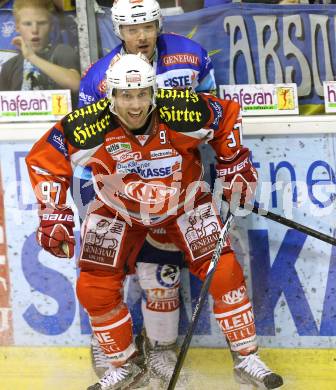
(235, 137)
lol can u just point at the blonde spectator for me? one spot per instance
(39, 65)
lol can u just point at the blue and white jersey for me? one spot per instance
(179, 62)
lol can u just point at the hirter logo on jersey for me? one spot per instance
(149, 193)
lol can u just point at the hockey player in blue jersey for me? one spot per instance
(179, 62)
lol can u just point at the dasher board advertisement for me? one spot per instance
(329, 88)
(26, 106)
(263, 99)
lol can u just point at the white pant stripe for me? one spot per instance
(235, 311)
(111, 326)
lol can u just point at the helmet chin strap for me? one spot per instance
(152, 56)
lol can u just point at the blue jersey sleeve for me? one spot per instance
(92, 86)
(88, 93)
(206, 77)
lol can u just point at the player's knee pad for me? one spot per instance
(99, 294)
(228, 276)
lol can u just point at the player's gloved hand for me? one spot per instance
(238, 176)
(55, 233)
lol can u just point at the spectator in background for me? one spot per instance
(6, 4)
(67, 5)
(62, 5)
(39, 65)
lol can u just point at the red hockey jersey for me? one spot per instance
(146, 178)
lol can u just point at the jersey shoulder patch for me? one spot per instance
(183, 110)
(86, 127)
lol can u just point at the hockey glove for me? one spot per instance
(55, 233)
(238, 176)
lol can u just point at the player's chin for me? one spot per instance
(145, 50)
(136, 122)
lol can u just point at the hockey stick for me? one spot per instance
(201, 299)
(65, 248)
(290, 223)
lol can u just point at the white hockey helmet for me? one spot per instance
(127, 12)
(130, 71)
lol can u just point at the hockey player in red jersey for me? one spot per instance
(147, 172)
(181, 63)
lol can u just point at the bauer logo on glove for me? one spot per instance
(238, 176)
(55, 233)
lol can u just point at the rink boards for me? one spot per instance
(290, 276)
